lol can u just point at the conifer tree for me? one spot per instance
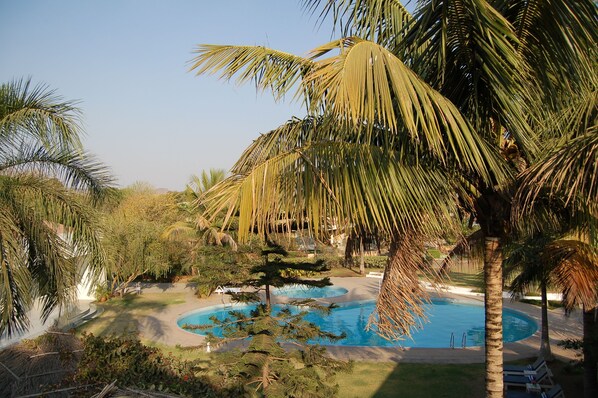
(277, 359)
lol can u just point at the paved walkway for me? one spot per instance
(163, 329)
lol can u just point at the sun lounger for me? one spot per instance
(554, 392)
(526, 370)
(374, 274)
(542, 378)
(227, 289)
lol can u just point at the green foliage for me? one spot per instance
(49, 230)
(133, 238)
(134, 364)
(219, 265)
(265, 368)
(376, 261)
(335, 261)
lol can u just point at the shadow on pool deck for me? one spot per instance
(163, 328)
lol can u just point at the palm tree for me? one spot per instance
(525, 264)
(566, 178)
(325, 178)
(454, 87)
(47, 187)
(571, 266)
(195, 229)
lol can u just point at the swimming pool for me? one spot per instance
(305, 291)
(446, 318)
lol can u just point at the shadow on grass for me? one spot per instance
(413, 380)
(431, 380)
(123, 316)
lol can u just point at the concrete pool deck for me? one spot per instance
(164, 330)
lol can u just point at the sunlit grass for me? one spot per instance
(463, 279)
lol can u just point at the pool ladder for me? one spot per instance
(463, 340)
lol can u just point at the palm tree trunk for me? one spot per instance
(545, 351)
(349, 251)
(361, 256)
(590, 352)
(493, 311)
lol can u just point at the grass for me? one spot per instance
(551, 303)
(120, 315)
(375, 379)
(349, 272)
(462, 279)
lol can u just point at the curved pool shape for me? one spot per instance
(305, 291)
(445, 318)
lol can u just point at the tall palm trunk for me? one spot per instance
(361, 256)
(348, 263)
(493, 312)
(590, 352)
(545, 351)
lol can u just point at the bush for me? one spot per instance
(134, 364)
(376, 261)
(206, 286)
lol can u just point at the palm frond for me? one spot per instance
(468, 51)
(399, 306)
(349, 182)
(55, 230)
(576, 271)
(38, 114)
(77, 170)
(268, 69)
(571, 171)
(16, 296)
(381, 21)
(557, 38)
(367, 86)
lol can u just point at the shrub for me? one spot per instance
(131, 363)
(376, 261)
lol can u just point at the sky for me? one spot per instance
(126, 62)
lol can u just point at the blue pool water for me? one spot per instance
(445, 317)
(304, 291)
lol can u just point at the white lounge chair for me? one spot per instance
(526, 370)
(554, 392)
(227, 289)
(543, 378)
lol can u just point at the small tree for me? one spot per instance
(219, 265)
(132, 240)
(265, 367)
(277, 273)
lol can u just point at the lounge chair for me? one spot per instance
(543, 378)
(227, 289)
(527, 370)
(554, 392)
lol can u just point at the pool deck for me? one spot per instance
(164, 329)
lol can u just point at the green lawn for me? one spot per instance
(119, 315)
(375, 379)
(463, 279)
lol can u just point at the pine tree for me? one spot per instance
(276, 359)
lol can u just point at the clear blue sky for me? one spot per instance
(126, 61)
